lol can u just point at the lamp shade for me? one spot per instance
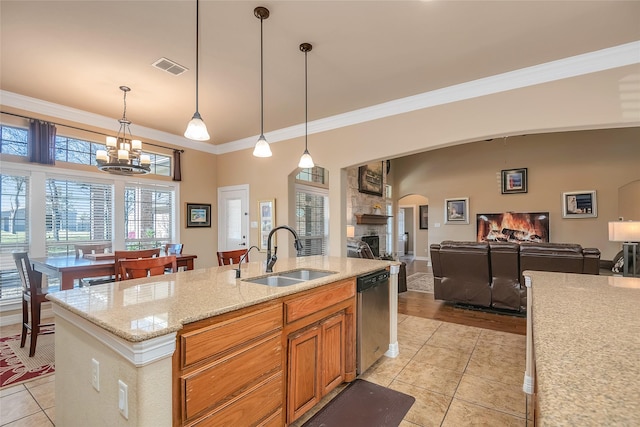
(262, 148)
(196, 129)
(624, 231)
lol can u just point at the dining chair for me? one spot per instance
(32, 298)
(232, 257)
(118, 256)
(84, 249)
(144, 267)
(173, 248)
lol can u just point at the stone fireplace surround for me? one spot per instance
(361, 203)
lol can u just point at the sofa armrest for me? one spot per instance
(591, 261)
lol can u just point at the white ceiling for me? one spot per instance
(77, 53)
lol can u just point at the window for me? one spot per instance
(83, 152)
(148, 216)
(14, 232)
(77, 212)
(312, 210)
(13, 141)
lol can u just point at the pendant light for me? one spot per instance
(262, 148)
(196, 129)
(306, 161)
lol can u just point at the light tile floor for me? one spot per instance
(459, 375)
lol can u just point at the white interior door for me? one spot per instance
(233, 218)
(401, 229)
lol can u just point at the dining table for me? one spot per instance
(70, 268)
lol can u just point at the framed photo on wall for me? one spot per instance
(198, 215)
(514, 181)
(370, 179)
(267, 211)
(456, 211)
(579, 204)
(424, 217)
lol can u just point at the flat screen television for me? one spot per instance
(513, 227)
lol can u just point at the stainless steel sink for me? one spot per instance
(289, 278)
(306, 274)
(276, 281)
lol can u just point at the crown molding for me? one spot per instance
(574, 66)
(58, 111)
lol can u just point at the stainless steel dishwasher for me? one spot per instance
(372, 335)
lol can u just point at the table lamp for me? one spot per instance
(627, 232)
(351, 231)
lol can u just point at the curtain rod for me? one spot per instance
(86, 130)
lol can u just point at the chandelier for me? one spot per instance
(123, 155)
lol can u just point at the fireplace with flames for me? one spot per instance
(513, 227)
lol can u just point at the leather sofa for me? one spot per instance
(490, 274)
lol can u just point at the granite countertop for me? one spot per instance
(586, 339)
(141, 309)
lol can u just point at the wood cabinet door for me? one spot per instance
(333, 353)
(304, 387)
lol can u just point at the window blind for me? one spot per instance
(14, 231)
(77, 212)
(148, 216)
(312, 219)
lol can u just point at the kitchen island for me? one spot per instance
(586, 349)
(123, 355)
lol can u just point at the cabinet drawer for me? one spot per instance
(220, 382)
(258, 407)
(217, 339)
(300, 307)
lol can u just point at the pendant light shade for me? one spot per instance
(196, 129)
(306, 161)
(262, 148)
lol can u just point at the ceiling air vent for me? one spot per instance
(169, 66)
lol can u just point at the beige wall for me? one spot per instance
(600, 160)
(629, 201)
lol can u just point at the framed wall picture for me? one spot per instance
(424, 217)
(456, 211)
(514, 181)
(370, 179)
(267, 210)
(579, 204)
(198, 215)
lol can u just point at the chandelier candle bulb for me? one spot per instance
(112, 141)
(136, 144)
(126, 146)
(101, 155)
(145, 159)
(123, 155)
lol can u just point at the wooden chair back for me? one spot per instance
(32, 298)
(145, 267)
(82, 250)
(231, 257)
(173, 248)
(118, 256)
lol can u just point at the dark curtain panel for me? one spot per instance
(42, 142)
(177, 169)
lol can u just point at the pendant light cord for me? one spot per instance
(306, 103)
(197, 49)
(261, 83)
